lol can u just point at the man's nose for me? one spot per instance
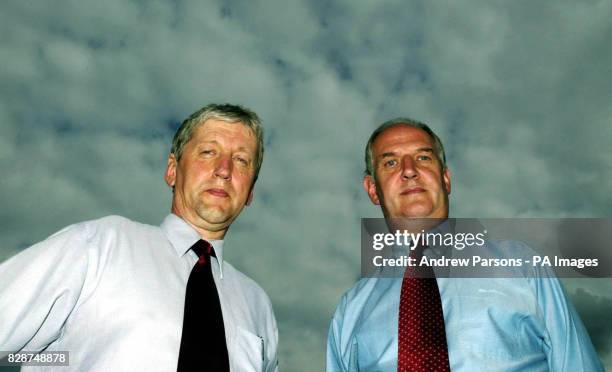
(223, 167)
(409, 170)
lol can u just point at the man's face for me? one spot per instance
(213, 179)
(410, 181)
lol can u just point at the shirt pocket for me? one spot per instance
(248, 351)
(372, 356)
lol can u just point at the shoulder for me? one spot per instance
(506, 258)
(114, 227)
(510, 248)
(362, 288)
(116, 223)
(106, 234)
(364, 294)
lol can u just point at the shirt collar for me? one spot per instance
(182, 236)
(446, 226)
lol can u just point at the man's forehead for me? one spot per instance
(214, 130)
(402, 136)
(222, 125)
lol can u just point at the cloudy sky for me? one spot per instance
(92, 91)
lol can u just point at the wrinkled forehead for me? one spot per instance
(401, 136)
(213, 128)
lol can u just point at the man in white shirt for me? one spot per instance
(111, 292)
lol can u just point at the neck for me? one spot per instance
(205, 232)
(413, 225)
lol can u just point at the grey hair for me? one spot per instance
(438, 146)
(225, 112)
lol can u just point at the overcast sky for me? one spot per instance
(91, 93)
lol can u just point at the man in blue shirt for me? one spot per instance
(500, 324)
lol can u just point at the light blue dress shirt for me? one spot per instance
(492, 324)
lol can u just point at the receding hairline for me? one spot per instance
(438, 146)
(430, 147)
(203, 122)
(226, 121)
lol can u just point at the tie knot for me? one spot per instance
(204, 250)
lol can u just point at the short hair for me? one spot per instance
(224, 112)
(438, 146)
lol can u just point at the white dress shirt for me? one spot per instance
(111, 292)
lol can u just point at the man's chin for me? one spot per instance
(215, 215)
(416, 211)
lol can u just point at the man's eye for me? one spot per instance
(424, 157)
(390, 163)
(243, 161)
(208, 152)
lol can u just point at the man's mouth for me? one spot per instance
(218, 192)
(413, 190)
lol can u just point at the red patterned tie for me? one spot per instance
(421, 335)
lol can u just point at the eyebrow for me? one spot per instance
(386, 155)
(215, 142)
(209, 141)
(391, 153)
(242, 148)
(425, 149)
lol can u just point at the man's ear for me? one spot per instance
(446, 178)
(370, 187)
(170, 175)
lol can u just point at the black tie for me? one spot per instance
(203, 346)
